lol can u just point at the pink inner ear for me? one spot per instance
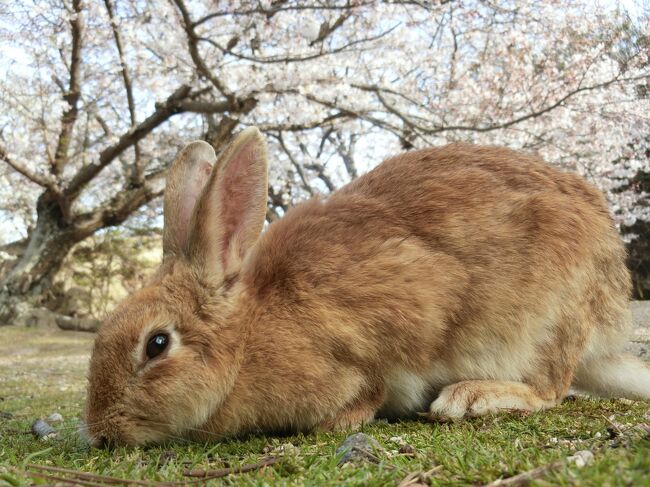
(237, 197)
(196, 181)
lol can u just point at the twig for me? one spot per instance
(525, 477)
(193, 45)
(223, 472)
(418, 478)
(63, 480)
(84, 478)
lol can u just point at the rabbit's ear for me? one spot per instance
(187, 177)
(229, 216)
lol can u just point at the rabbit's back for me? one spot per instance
(480, 201)
(505, 216)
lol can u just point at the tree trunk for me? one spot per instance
(28, 282)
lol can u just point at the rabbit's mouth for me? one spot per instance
(119, 427)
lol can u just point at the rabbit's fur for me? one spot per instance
(461, 280)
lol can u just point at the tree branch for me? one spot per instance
(199, 106)
(179, 101)
(346, 155)
(36, 178)
(137, 172)
(294, 163)
(320, 171)
(116, 210)
(69, 116)
(326, 29)
(273, 9)
(496, 126)
(291, 59)
(193, 45)
(162, 112)
(276, 201)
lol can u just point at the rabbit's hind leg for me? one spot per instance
(481, 397)
(614, 375)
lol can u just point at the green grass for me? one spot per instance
(44, 372)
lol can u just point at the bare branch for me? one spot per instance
(410, 122)
(121, 205)
(192, 44)
(301, 127)
(39, 179)
(326, 29)
(274, 8)
(294, 163)
(276, 201)
(218, 134)
(292, 59)
(535, 113)
(163, 112)
(349, 113)
(320, 172)
(71, 97)
(137, 172)
(179, 101)
(198, 106)
(346, 154)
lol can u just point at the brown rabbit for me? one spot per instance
(463, 280)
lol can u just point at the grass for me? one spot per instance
(42, 372)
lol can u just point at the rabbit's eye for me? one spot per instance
(157, 344)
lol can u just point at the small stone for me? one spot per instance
(359, 447)
(407, 450)
(288, 449)
(55, 418)
(582, 458)
(278, 450)
(42, 430)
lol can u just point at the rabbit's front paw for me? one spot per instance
(481, 397)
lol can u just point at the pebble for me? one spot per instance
(359, 447)
(42, 430)
(407, 450)
(582, 458)
(284, 449)
(55, 418)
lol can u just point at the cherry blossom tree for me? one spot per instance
(97, 97)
